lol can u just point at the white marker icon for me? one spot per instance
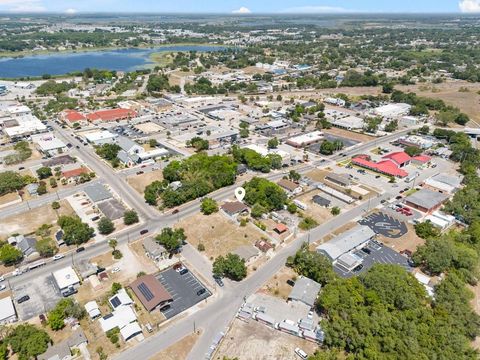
(240, 193)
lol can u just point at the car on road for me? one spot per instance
(300, 353)
(140, 172)
(21, 168)
(201, 292)
(2, 287)
(16, 272)
(80, 249)
(2, 278)
(23, 299)
(291, 282)
(58, 257)
(143, 232)
(176, 211)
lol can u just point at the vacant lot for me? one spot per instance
(149, 127)
(218, 234)
(349, 134)
(254, 341)
(179, 350)
(8, 198)
(28, 222)
(277, 285)
(319, 213)
(140, 182)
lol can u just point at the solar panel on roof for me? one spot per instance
(115, 302)
(145, 291)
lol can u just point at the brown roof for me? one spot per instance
(234, 207)
(150, 292)
(281, 228)
(288, 185)
(74, 172)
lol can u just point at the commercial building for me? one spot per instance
(305, 290)
(67, 280)
(7, 311)
(443, 183)
(392, 110)
(150, 292)
(386, 167)
(100, 137)
(111, 115)
(426, 200)
(400, 158)
(339, 179)
(349, 123)
(306, 139)
(97, 192)
(49, 144)
(346, 242)
(23, 126)
(71, 117)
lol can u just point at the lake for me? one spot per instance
(58, 64)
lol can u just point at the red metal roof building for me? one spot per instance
(72, 116)
(74, 173)
(401, 158)
(387, 167)
(112, 115)
(421, 159)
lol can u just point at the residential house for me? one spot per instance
(290, 187)
(154, 250)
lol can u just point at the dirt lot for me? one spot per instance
(219, 234)
(140, 182)
(254, 341)
(7, 198)
(149, 127)
(28, 222)
(277, 285)
(349, 134)
(319, 213)
(179, 350)
(409, 241)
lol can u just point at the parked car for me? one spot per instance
(183, 271)
(165, 308)
(140, 172)
(2, 287)
(23, 299)
(80, 249)
(2, 278)
(176, 211)
(261, 309)
(358, 268)
(58, 257)
(291, 282)
(201, 292)
(366, 250)
(302, 354)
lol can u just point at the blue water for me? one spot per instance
(58, 64)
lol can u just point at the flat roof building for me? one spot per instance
(306, 139)
(426, 200)
(443, 182)
(346, 242)
(7, 311)
(67, 280)
(305, 290)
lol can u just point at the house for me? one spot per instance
(280, 228)
(263, 245)
(305, 291)
(27, 245)
(75, 174)
(246, 252)
(320, 200)
(85, 268)
(92, 309)
(346, 242)
(32, 189)
(234, 208)
(121, 318)
(97, 192)
(150, 292)
(121, 298)
(67, 280)
(59, 161)
(291, 187)
(63, 349)
(421, 160)
(129, 146)
(7, 311)
(426, 200)
(154, 250)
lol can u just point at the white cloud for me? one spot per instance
(71, 11)
(316, 10)
(469, 6)
(242, 10)
(22, 5)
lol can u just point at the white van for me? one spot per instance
(302, 354)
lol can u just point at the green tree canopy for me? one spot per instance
(171, 239)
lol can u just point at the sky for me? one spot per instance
(242, 6)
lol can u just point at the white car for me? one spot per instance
(115, 270)
(2, 287)
(58, 257)
(2, 278)
(302, 354)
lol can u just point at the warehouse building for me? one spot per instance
(426, 200)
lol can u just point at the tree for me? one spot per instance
(44, 172)
(113, 243)
(42, 188)
(294, 176)
(198, 143)
(75, 232)
(329, 147)
(65, 308)
(130, 217)
(55, 205)
(10, 255)
(230, 266)
(208, 206)
(265, 193)
(335, 210)
(11, 181)
(272, 143)
(105, 226)
(46, 247)
(387, 88)
(171, 239)
(108, 151)
(152, 143)
(413, 150)
(307, 223)
(462, 119)
(391, 126)
(27, 341)
(426, 230)
(312, 265)
(257, 211)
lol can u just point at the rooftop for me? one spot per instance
(305, 290)
(346, 241)
(97, 192)
(150, 292)
(426, 198)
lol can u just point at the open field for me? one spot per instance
(28, 222)
(140, 182)
(219, 234)
(349, 134)
(179, 350)
(254, 341)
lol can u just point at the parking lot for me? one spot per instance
(43, 293)
(183, 289)
(385, 225)
(378, 255)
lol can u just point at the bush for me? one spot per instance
(117, 254)
(208, 206)
(335, 210)
(105, 226)
(307, 223)
(130, 217)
